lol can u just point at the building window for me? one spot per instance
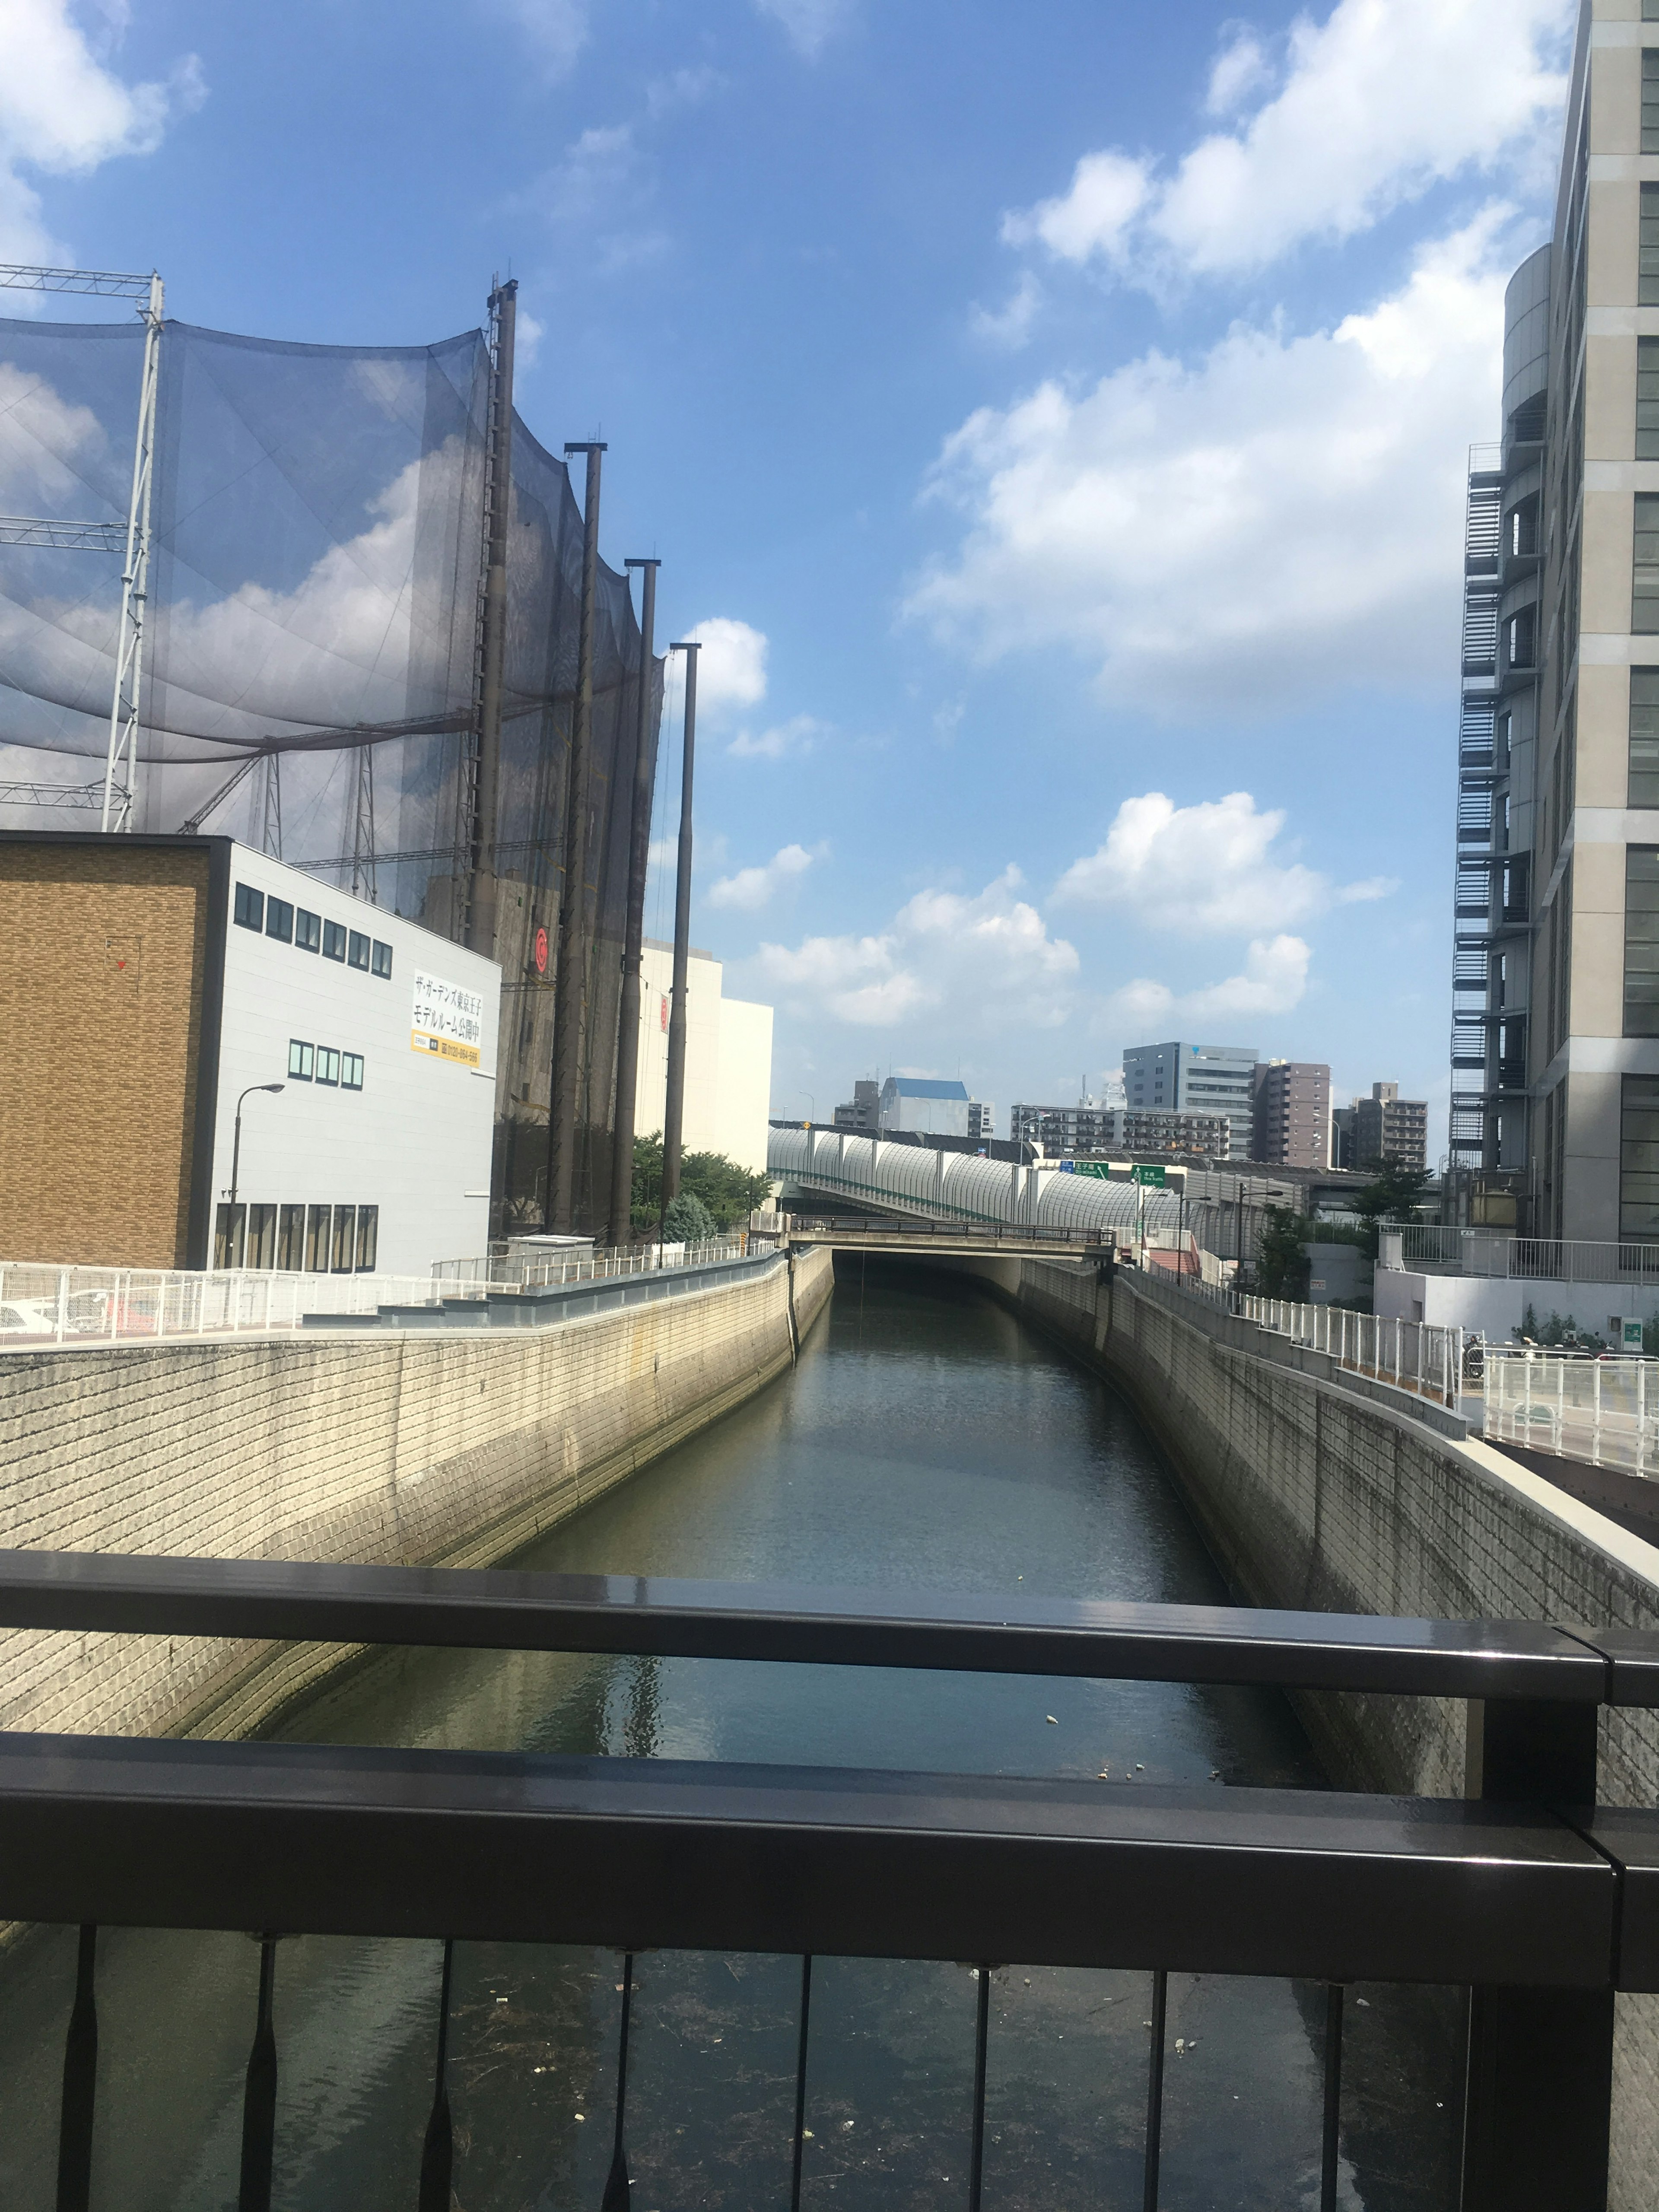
(300, 1059)
(351, 1071)
(229, 1234)
(344, 1258)
(382, 962)
(328, 1064)
(291, 1238)
(250, 908)
(1647, 396)
(1647, 277)
(334, 940)
(357, 950)
(368, 1238)
(1643, 789)
(261, 1235)
(317, 1217)
(1642, 940)
(1645, 590)
(1638, 1159)
(307, 932)
(279, 920)
(1650, 100)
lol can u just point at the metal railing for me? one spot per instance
(46, 1305)
(1414, 1355)
(515, 1271)
(950, 1230)
(1605, 1411)
(1425, 1247)
(1542, 1913)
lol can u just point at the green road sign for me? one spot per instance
(1153, 1176)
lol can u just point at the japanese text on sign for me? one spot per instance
(448, 1021)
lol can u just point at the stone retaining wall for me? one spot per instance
(435, 1446)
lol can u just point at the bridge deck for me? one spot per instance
(986, 1240)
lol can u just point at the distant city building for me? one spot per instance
(1342, 1136)
(981, 1118)
(1292, 1114)
(863, 1110)
(923, 1104)
(1112, 1091)
(728, 1058)
(1063, 1131)
(1387, 1126)
(1195, 1079)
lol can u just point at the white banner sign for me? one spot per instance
(449, 1021)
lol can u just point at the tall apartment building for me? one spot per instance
(1292, 1122)
(1387, 1126)
(863, 1109)
(1555, 1040)
(1196, 1079)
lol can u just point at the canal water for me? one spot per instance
(926, 1440)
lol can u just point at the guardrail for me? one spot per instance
(1426, 1248)
(1414, 1355)
(46, 1305)
(1605, 1411)
(1542, 1911)
(990, 1233)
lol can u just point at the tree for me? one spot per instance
(688, 1220)
(728, 1193)
(1390, 1196)
(1282, 1268)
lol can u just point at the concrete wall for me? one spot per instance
(451, 1448)
(1496, 1305)
(1311, 1494)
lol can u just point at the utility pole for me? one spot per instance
(498, 484)
(674, 1105)
(639, 853)
(569, 1005)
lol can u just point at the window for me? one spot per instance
(1642, 940)
(291, 1238)
(358, 953)
(307, 932)
(250, 908)
(227, 1235)
(334, 940)
(1647, 396)
(261, 1235)
(1638, 1159)
(1644, 738)
(1650, 100)
(351, 1071)
(345, 1239)
(317, 1240)
(1521, 642)
(1645, 589)
(328, 1064)
(279, 920)
(1647, 262)
(368, 1238)
(382, 959)
(300, 1057)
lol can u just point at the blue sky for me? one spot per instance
(1051, 418)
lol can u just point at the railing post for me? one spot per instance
(1540, 2084)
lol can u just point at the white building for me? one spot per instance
(376, 1153)
(728, 1058)
(926, 1106)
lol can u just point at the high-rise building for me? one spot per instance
(1555, 1038)
(981, 1118)
(1292, 1114)
(1387, 1126)
(863, 1109)
(1195, 1079)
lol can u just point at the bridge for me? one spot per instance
(977, 1240)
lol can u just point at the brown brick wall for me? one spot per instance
(102, 957)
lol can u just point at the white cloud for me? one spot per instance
(527, 336)
(1203, 869)
(797, 735)
(1010, 325)
(1284, 513)
(731, 666)
(557, 29)
(1379, 102)
(1272, 981)
(808, 23)
(1240, 69)
(985, 962)
(751, 888)
(63, 112)
(592, 173)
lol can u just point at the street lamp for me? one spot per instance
(236, 1147)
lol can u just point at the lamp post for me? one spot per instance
(236, 1147)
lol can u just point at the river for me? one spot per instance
(927, 1439)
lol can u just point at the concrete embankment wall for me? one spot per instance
(1313, 1493)
(446, 1447)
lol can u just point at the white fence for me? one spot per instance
(41, 1305)
(1432, 1249)
(1606, 1411)
(1416, 1355)
(520, 1272)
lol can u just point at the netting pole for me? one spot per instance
(121, 764)
(620, 1229)
(569, 1007)
(674, 1105)
(481, 904)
